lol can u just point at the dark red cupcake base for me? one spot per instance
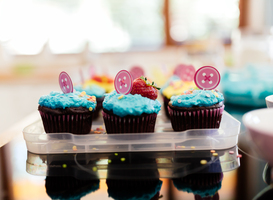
(71, 123)
(129, 124)
(195, 119)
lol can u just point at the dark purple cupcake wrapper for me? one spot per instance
(129, 124)
(71, 123)
(195, 119)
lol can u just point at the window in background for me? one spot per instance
(110, 25)
(198, 19)
(68, 25)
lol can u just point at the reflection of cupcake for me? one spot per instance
(69, 112)
(134, 189)
(203, 180)
(202, 185)
(196, 109)
(132, 113)
(128, 180)
(173, 87)
(93, 90)
(67, 187)
(103, 81)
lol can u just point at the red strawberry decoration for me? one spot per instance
(143, 87)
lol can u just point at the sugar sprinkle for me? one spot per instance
(203, 162)
(215, 154)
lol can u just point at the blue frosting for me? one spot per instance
(60, 100)
(92, 90)
(248, 86)
(197, 98)
(130, 104)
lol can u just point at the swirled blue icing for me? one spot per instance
(197, 98)
(61, 100)
(92, 90)
(130, 104)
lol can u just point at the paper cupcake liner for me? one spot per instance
(165, 103)
(129, 124)
(195, 119)
(71, 123)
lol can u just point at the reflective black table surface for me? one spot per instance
(138, 175)
(166, 175)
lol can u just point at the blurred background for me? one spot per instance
(41, 38)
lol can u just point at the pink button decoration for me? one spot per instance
(123, 82)
(136, 72)
(65, 83)
(207, 78)
(185, 72)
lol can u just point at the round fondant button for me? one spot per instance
(65, 82)
(185, 72)
(123, 82)
(136, 72)
(207, 78)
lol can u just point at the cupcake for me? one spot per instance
(128, 180)
(106, 82)
(93, 90)
(196, 109)
(172, 88)
(67, 112)
(135, 112)
(203, 179)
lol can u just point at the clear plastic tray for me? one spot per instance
(163, 139)
(136, 165)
